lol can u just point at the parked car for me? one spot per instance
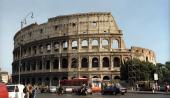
(114, 90)
(52, 89)
(15, 90)
(122, 89)
(3, 91)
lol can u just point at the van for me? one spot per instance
(15, 90)
(3, 91)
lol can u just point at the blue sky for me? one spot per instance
(145, 23)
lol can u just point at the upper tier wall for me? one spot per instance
(68, 25)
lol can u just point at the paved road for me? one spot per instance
(128, 95)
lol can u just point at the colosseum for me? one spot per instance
(68, 46)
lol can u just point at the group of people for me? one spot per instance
(166, 87)
(30, 91)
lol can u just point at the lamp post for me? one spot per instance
(23, 21)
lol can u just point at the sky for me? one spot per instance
(144, 23)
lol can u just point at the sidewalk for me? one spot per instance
(148, 92)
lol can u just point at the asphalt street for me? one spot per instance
(128, 95)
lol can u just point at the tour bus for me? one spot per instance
(69, 85)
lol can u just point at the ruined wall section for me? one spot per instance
(143, 54)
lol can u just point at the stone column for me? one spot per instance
(89, 45)
(51, 65)
(69, 45)
(78, 45)
(111, 63)
(100, 63)
(59, 63)
(100, 44)
(69, 61)
(59, 57)
(79, 66)
(43, 62)
(52, 49)
(50, 81)
(110, 44)
(79, 63)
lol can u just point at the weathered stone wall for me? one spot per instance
(78, 45)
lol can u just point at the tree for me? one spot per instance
(163, 71)
(143, 70)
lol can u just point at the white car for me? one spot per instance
(52, 89)
(15, 90)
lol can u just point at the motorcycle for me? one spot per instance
(60, 91)
(82, 91)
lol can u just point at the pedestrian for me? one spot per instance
(34, 92)
(25, 90)
(137, 87)
(166, 87)
(30, 88)
(153, 88)
(60, 90)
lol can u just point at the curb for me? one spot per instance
(147, 92)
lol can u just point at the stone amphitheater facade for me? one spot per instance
(68, 46)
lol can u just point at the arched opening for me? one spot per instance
(56, 63)
(55, 81)
(95, 77)
(146, 59)
(33, 67)
(23, 67)
(39, 81)
(117, 77)
(64, 78)
(47, 81)
(64, 63)
(95, 62)
(105, 62)
(41, 49)
(105, 44)
(115, 44)
(84, 63)
(33, 81)
(95, 42)
(74, 44)
(116, 62)
(106, 78)
(48, 47)
(56, 46)
(84, 44)
(74, 63)
(28, 81)
(47, 64)
(65, 45)
(85, 77)
(40, 64)
(28, 66)
(73, 77)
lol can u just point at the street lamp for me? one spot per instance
(23, 21)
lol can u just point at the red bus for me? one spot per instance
(70, 85)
